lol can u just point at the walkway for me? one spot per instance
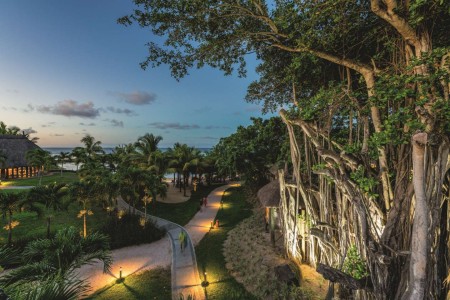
(185, 276)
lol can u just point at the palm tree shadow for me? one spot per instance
(132, 291)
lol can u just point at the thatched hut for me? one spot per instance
(269, 196)
(13, 163)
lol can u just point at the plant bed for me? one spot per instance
(257, 264)
(129, 230)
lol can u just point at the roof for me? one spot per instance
(269, 195)
(15, 147)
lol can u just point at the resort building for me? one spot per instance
(13, 162)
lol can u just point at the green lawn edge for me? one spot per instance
(210, 259)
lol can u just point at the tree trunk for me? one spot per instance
(419, 240)
(84, 226)
(48, 227)
(10, 229)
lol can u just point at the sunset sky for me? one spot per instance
(68, 69)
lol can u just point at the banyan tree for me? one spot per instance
(365, 88)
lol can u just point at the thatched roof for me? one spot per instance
(15, 147)
(269, 195)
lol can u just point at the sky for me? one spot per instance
(67, 69)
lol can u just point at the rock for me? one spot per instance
(285, 274)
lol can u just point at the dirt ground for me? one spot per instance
(173, 194)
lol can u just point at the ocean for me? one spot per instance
(70, 166)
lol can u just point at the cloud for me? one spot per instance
(71, 108)
(114, 122)
(29, 108)
(163, 125)
(9, 108)
(29, 131)
(124, 111)
(89, 124)
(56, 134)
(136, 98)
(49, 124)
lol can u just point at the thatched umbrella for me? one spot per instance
(15, 148)
(269, 196)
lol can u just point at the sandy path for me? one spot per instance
(132, 259)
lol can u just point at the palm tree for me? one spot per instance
(51, 196)
(63, 157)
(84, 192)
(92, 148)
(146, 146)
(78, 156)
(40, 159)
(184, 158)
(9, 203)
(50, 265)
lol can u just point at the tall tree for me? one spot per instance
(40, 159)
(62, 158)
(52, 197)
(9, 204)
(380, 73)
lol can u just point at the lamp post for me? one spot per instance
(120, 273)
(205, 282)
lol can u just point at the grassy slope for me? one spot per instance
(209, 252)
(151, 284)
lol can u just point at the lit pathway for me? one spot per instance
(185, 276)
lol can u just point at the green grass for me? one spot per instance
(151, 284)
(32, 227)
(181, 213)
(209, 251)
(67, 177)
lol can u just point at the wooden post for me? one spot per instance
(272, 227)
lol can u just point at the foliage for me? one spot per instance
(354, 265)
(128, 231)
(49, 264)
(251, 151)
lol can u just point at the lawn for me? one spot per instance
(182, 213)
(67, 177)
(210, 258)
(151, 284)
(32, 227)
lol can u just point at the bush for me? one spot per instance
(128, 230)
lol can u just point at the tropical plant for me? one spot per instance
(51, 197)
(50, 265)
(40, 159)
(85, 192)
(10, 203)
(63, 157)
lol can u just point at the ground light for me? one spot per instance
(120, 279)
(205, 282)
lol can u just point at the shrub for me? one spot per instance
(128, 230)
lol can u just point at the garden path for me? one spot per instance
(185, 276)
